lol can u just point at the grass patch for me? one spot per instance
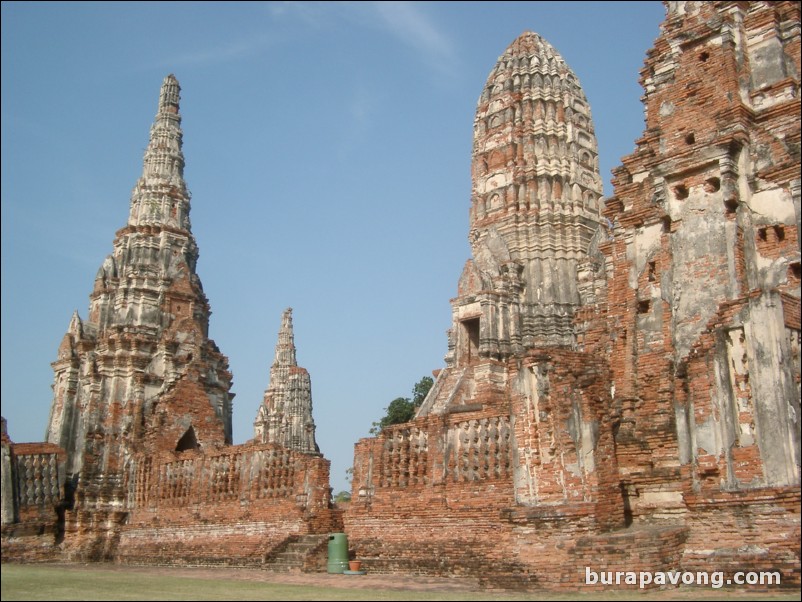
(32, 582)
(49, 582)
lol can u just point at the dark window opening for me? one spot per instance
(690, 138)
(762, 234)
(644, 306)
(652, 270)
(704, 56)
(471, 338)
(730, 205)
(666, 223)
(795, 271)
(681, 191)
(187, 441)
(779, 232)
(712, 185)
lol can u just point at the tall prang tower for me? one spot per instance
(285, 416)
(535, 212)
(513, 445)
(140, 373)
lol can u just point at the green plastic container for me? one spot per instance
(338, 553)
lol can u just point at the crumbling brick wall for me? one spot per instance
(528, 467)
(230, 506)
(33, 500)
(704, 287)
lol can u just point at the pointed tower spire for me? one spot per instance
(285, 416)
(148, 294)
(160, 197)
(74, 334)
(285, 347)
(76, 327)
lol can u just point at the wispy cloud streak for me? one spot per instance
(236, 50)
(407, 22)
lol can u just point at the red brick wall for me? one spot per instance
(38, 496)
(232, 506)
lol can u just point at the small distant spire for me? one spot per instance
(76, 326)
(164, 157)
(74, 334)
(170, 95)
(285, 416)
(161, 195)
(285, 347)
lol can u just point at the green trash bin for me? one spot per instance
(338, 553)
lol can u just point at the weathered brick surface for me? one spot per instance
(667, 437)
(232, 506)
(32, 541)
(705, 287)
(756, 530)
(33, 500)
(40, 478)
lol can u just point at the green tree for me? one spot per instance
(421, 390)
(402, 409)
(342, 497)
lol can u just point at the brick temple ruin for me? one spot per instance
(138, 465)
(621, 387)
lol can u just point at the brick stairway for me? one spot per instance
(305, 553)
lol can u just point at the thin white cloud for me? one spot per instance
(407, 22)
(236, 50)
(360, 109)
(313, 13)
(410, 24)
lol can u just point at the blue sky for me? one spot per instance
(328, 154)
